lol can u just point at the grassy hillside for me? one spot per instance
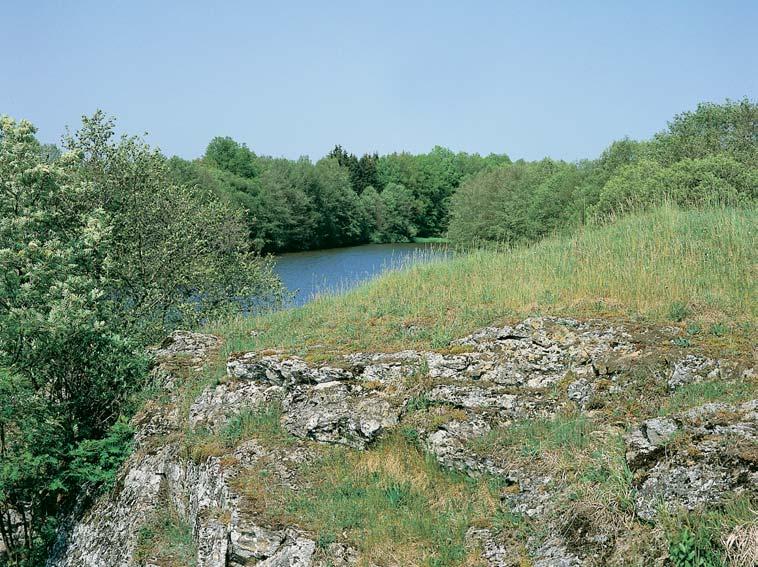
(693, 267)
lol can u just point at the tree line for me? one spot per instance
(705, 155)
(337, 201)
(709, 155)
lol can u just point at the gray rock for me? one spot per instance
(214, 406)
(334, 412)
(448, 445)
(471, 397)
(195, 347)
(553, 553)
(716, 457)
(692, 369)
(280, 371)
(581, 391)
(493, 552)
(646, 442)
(295, 551)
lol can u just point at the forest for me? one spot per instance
(106, 245)
(704, 155)
(338, 201)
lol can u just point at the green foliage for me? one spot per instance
(706, 157)
(100, 253)
(698, 393)
(633, 268)
(339, 200)
(177, 255)
(684, 551)
(95, 461)
(399, 209)
(714, 179)
(228, 155)
(730, 128)
(363, 171)
(719, 329)
(494, 205)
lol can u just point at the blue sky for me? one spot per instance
(531, 79)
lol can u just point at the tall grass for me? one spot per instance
(642, 266)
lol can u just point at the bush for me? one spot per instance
(99, 254)
(698, 182)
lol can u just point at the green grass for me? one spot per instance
(697, 394)
(263, 423)
(430, 240)
(664, 266)
(167, 540)
(393, 503)
(537, 436)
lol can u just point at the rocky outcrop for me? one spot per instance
(699, 457)
(455, 401)
(152, 479)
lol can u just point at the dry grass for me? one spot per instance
(741, 545)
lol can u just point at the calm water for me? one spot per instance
(339, 269)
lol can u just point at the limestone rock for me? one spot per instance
(494, 379)
(647, 442)
(494, 553)
(715, 455)
(280, 371)
(195, 347)
(691, 369)
(335, 412)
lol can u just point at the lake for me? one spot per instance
(339, 269)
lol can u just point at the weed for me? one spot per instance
(694, 329)
(678, 311)
(418, 403)
(686, 551)
(719, 329)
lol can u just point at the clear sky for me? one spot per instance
(531, 79)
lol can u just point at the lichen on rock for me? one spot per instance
(538, 373)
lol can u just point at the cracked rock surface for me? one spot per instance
(487, 382)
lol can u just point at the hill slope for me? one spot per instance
(668, 265)
(391, 426)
